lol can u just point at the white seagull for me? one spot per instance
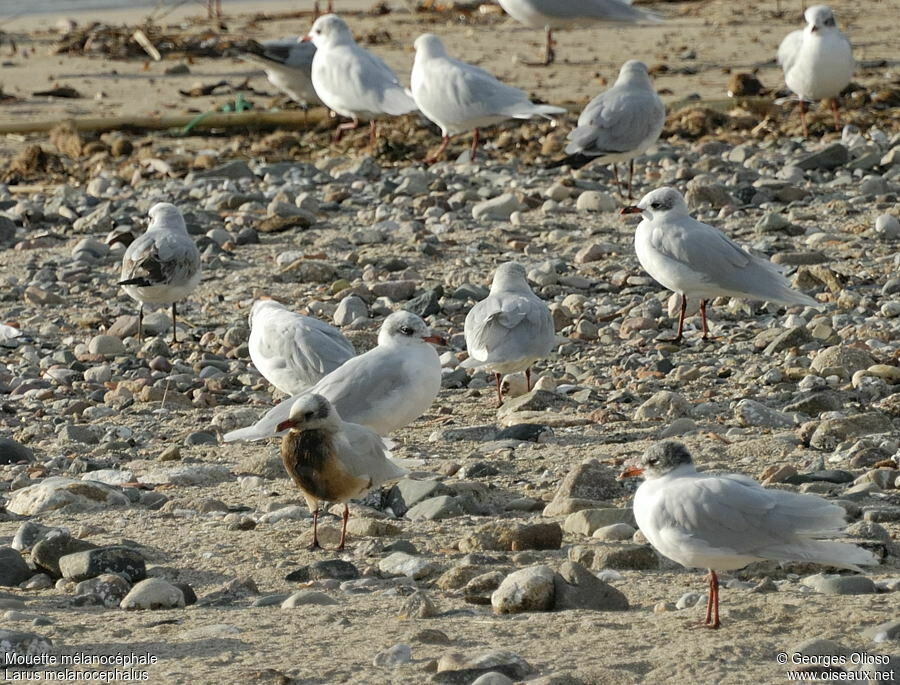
(817, 61)
(162, 266)
(562, 14)
(459, 97)
(619, 124)
(331, 460)
(288, 66)
(724, 522)
(696, 260)
(351, 81)
(293, 351)
(510, 329)
(384, 389)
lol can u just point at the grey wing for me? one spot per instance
(363, 452)
(602, 10)
(306, 346)
(787, 50)
(367, 84)
(291, 53)
(617, 121)
(161, 258)
(507, 327)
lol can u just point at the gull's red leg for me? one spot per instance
(344, 528)
(803, 119)
(499, 392)
(474, 143)
(680, 333)
(431, 159)
(315, 541)
(630, 176)
(703, 317)
(835, 114)
(528, 378)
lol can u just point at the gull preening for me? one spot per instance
(162, 266)
(510, 329)
(351, 81)
(619, 124)
(817, 61)
(384, 389)
(460, 97)
(563, 14)
(292, 351)
(331, 460)
(288, 66)
(695, 260)
(723, 522)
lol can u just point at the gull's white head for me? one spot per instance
(819, 18)
(509, 276)
(166, 215)
(659, 203)
(660, 459)
(429, 45)
(405, 328)
(264, 304)
(634, 71)
(330, 29)
(310, 412)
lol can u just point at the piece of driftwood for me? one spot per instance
(251, 119)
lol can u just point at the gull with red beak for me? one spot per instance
(384, 389)
(724, 522)
(817, 61)
(331, 460)
(696, 260)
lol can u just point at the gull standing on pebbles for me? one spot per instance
(293, 351)
(724, 522)
(351, 81)
(384, 389)
(459, 97)
(817, 61)
(562, 14)
(331, 460)
(288, 66)
(510, 329)
(619, 124)
(162, 266)
(696, 260)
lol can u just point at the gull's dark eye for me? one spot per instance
(406, 330)
(829, 21)
(655, 205)
(309, 414)
(653, 461)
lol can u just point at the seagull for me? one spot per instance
(293, 351)
(331, 460)
(510, 329)
(163, 265)
(459, 97)
(351, 81)
(384, 389)
(619, 124)
(560, 14)
(724, 522)
(696, 260)
(817, 61)
(288, 66)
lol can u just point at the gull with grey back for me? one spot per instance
(384, 389)
(696, 260)
(461, 97)
(161, 267)
(510, 329)
(724, 522)
(331, 460)
(288, 66)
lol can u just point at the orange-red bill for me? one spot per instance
(284, 425)
(630, 210)
(631, 472)
(435, 340)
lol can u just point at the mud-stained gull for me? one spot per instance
(619, 124)
(351, 81)
(724, 522)
(696, 260)
(510, 329)
(331, 460)
(288, 66)
(292, 351)
(460, 97)
(162, 266)
(817, 61)
(563, 14)
(384, 389)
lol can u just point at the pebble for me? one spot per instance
(153, 594)
(393, 656)
(529, 589)
(839, 585)
(403, 564)
(307, 598)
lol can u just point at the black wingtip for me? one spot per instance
(575, 161)
(140, 281)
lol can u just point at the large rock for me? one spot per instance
(403, 564)
(15, 644)
(663, 405)
(498, 208)
(840, 585)
(116, 559)
(463, 669)
(408, 492)
(590, 480)
(842, 361)
(831, 432)
(106, 590)
(528, 589)
(510, 536)
(12, 452)
(153, 593)
(753, 413)
(586, 521)
(13, 569)
(829, 157)
(59, 491)
(577, 588)
(47, 552)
